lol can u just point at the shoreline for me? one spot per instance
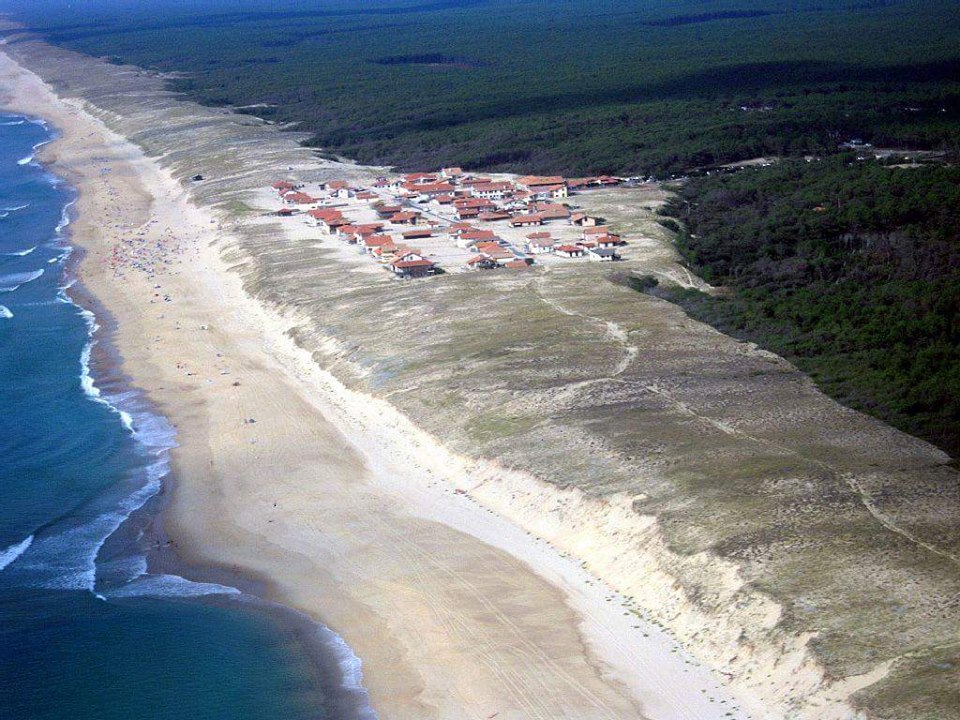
(106, 368)
(332, 382)
(198, 555)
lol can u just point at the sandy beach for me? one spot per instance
(330, 500)
(516, 495)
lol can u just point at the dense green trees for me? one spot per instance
(850, 268)
(620, 86)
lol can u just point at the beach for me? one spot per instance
(286, 482)
(539, 494)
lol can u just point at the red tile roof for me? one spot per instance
(493, 215)
(324, 213)
(537, 180)
(526, 220)
(492, 186)
(477, 234)
(299, 198)
(411, 263)
(598, 230)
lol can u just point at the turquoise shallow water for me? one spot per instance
(86, 630)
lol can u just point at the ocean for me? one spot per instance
(87, 629)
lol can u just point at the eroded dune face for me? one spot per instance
(784, 537)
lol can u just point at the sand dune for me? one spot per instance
(620, 463)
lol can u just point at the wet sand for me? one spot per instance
(288, 478)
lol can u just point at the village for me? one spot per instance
(422, 224)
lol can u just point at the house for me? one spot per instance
(518, 264)
(599, 254)
(501, 256)
(444, 199)
(418, 234)
(285, 212)
(493, 215)
(431, 190)
(467, 213)
(488, 246)
(332, 186)
(371, 242)
(551, 211)
(526, 220)
(530, 182)
(386, 211)
(547, 192)
(295, 197)
(481, 262)
(468, 238)
(491, 190)
(284, 186)
(326, 218)
(569, 251)
(384, 251)
(496, 253)
(339, 189)
(544, 187)
(590, 233)
(346, 232)
(480, 204)
(412, 265)
(408, 217)
(451, 173)
(581, 219)
(540, 246)
(609, 241)
(367, 195)
(362, 231)
(419, 179)
(468, 182)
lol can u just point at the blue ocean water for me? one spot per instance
(87, 631)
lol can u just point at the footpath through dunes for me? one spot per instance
(806, 551)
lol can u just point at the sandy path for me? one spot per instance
(449, 623)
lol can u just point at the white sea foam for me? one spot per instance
(21, 253)
(24, 161)
(9, 283)
(15, 122)
(11, 553)
(65, 559)
(64, 554)
(16, 208)
(86, 379)
(64, 218)
(168, 586)
(351, 673)
(5, 312)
